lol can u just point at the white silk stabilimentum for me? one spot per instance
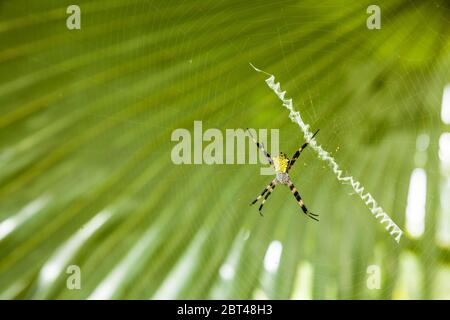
(370, 202)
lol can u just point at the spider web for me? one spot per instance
(368, 199)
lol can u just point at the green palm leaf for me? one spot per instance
(86, 176)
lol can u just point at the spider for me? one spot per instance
(282, 164)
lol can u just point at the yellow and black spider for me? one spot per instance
(282, 165)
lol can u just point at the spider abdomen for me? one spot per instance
(282, 177)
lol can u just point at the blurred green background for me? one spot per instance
(86, 176)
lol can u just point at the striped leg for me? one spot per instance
(269, 188)
(262, 194)
(298, 152)
(269, 192)
(300, 201)
(261, 146)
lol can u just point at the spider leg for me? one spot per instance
(270, 189)
(270, 186)
(298, 152)
(300, 201)
(259, 197)
(261, 147)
